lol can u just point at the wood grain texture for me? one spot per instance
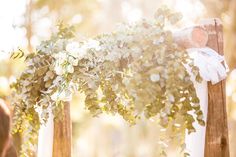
(216, 141)
(62, 134)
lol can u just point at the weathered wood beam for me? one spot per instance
(216, 140)
(62, 134)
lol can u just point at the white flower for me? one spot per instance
(70, 68)
(154, 77)
(65, 95)
(76, 50)
(57, 80)
(63, 69)
(93, 44)
(64, 63)
(73, 49)
(60, 60)
(60, 57)
(59, 69)
(73, 61)
(82, 52)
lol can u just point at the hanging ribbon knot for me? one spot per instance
(209, 63)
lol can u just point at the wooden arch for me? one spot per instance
(216, 140)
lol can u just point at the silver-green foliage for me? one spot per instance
(137, 70)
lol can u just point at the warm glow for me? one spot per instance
(10, 15)
(191, 10)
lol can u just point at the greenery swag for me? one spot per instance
(136, 71)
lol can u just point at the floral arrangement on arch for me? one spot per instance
(136, 71)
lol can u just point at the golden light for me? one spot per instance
(10, 15)
(192, 10)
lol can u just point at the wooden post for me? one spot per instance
(216, 141)
(62, 134)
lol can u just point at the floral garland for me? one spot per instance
(136, 71)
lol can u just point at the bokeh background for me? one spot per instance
(25, 23)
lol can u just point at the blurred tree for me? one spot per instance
(226, 11)
(28, 23)
(230, 34)
(79, 13)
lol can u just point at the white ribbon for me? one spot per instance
(211, 69)
(45, 139)
(209, 63)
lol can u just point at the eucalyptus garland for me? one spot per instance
(136, 71)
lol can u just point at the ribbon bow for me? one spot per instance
(209, 63)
